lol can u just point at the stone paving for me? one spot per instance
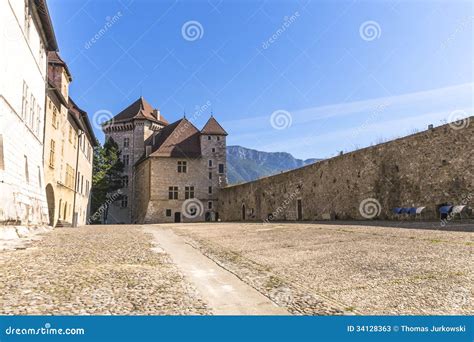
(94, 270)
(331, 269)
(309, 269)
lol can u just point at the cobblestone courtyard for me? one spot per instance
(303, 268)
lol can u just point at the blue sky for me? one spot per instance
(307, 77)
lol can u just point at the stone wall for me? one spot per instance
(427, 169)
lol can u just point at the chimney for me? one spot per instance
(430, 126)
(157, 114)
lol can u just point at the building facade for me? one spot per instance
(69, 140)
(173, 172)
(27, 36)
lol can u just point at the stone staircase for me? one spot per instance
(63, 224)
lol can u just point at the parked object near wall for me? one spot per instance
(367, 183)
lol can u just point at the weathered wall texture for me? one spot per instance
(425, 169)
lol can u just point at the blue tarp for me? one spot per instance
(397, 210)
(446, 209)
(412, 211)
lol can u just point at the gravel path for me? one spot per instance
(331, 269)
(94, 270)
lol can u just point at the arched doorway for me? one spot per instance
(243, 212)
(51, 203)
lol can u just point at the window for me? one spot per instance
(52, 148)
(124, 202)
(188, 192)
(209, 205)
(69, 182)
(31, 118)
(27, 20)
(87, 188)
(209, 163)
(41, 53)
(125, 159)
(82, 184)
(27, 174)
(173, 192)
(221, 168)
(182, 167)
(125, 181)
(168, 212)
(39, 177)
(24, 104)
(2, 165)
(70, 134)
(209, 190)
(126, 142)
(38, 119)
(77, 183)
(213, 150)
(218, 138)
(208, 137)
(210, 175)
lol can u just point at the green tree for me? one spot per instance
(107, 176)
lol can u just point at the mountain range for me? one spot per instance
(245, 165)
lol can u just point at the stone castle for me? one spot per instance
(172, 172)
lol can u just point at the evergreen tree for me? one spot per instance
(106, 180)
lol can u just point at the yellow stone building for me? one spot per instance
(68, 150)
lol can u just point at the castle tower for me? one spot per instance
(213, 151)
(129, 129)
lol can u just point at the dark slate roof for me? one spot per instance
(55, 59)
(181, 139)
(212, 127)
(46, 24)
(82, 120)
(140, 109)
